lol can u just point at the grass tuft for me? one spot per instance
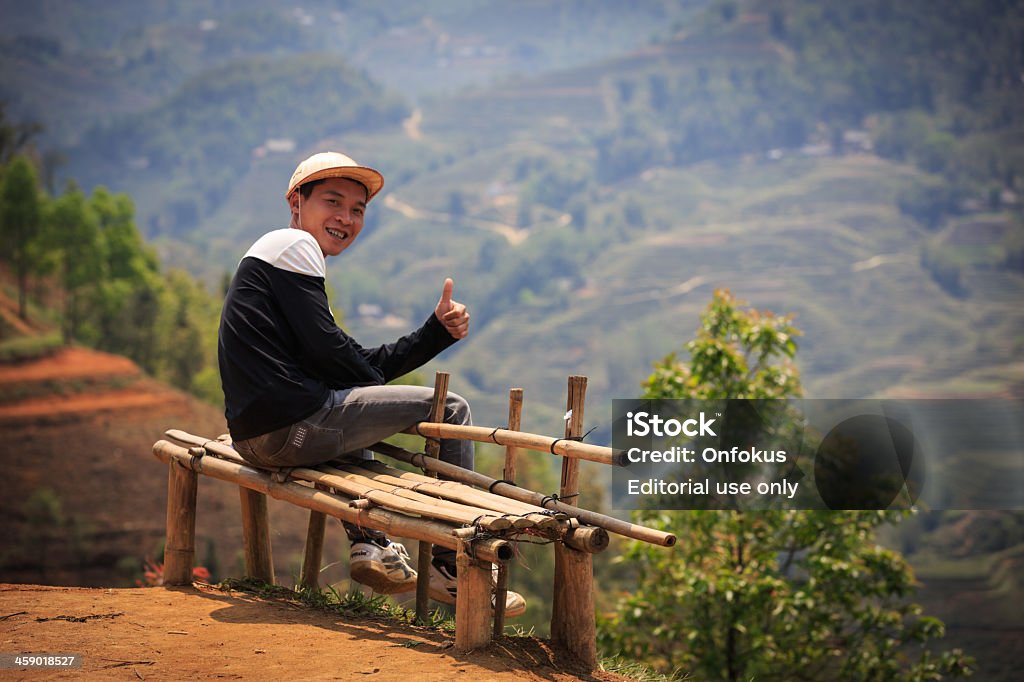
(353, 603)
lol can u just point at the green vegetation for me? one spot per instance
(21, 225)
(21, 348)
(353, 603)
(768, 595)
(109, 288)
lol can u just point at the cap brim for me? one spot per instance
(368, 177)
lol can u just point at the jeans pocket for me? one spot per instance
(308, 444)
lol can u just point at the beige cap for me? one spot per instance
(335, 165)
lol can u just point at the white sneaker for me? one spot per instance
(444, 588)
(385, 570)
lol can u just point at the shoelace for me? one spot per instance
(400, 550)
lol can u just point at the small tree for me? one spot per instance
(79, 241)
(128, 299)
(21, 225)
(785, 595)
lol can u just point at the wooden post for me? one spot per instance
(259, 562)
(180, 545)
(572, 616)
(313, 556)
(433, 449)
(473, 601)
(515, 420)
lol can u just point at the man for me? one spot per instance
(299, 391)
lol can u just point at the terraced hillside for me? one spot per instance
(82, 498)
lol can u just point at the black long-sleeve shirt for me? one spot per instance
(280, 351)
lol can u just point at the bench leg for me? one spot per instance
(314, 554)
(259, 562)
(314, 551)
(572, 615)
(180, 545)
(473, 602)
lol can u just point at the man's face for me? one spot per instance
(333, 213)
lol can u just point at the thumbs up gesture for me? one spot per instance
(452, 314)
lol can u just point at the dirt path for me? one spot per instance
(69, 363)
(512, 234)
(205, 633)
(49, 406)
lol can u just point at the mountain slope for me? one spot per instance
(84, 500)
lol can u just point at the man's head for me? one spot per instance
(327, 196)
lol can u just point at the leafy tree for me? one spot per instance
(128, 298)
(180, 329)
(21, 225)
(77, 237)
(767, 595)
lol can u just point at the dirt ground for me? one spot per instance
(204, 633)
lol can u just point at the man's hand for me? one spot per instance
(452, 314)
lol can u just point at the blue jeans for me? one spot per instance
(351, 420)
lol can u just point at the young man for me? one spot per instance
(299, 391)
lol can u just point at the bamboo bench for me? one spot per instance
(477, 516)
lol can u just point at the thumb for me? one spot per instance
(446, 294)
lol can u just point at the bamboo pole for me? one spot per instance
(500, 599)
(392, 523)
(483, 518)
(460, 492)
(472, 602)
(259, 560)
(180, 544)
(618, 526)
(405, 500)
(572, 613)
(515, 420)
(460, 513)
(433, 450)
(314, 552)
(529, 441)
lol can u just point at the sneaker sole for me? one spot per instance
(445, 597)
(374, 575)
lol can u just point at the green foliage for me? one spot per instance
(930, 202)
(184, 328)
(767, 595)
(113, 295)
(24, 348)
(737, 354)
(21, 224)
(82, 266)
(352, 603)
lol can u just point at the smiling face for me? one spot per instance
(333, 213)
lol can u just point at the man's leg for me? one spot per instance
(374, 413)
(367, 415)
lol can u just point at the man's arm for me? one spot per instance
(448, 324)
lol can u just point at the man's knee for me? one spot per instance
(457, 409)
